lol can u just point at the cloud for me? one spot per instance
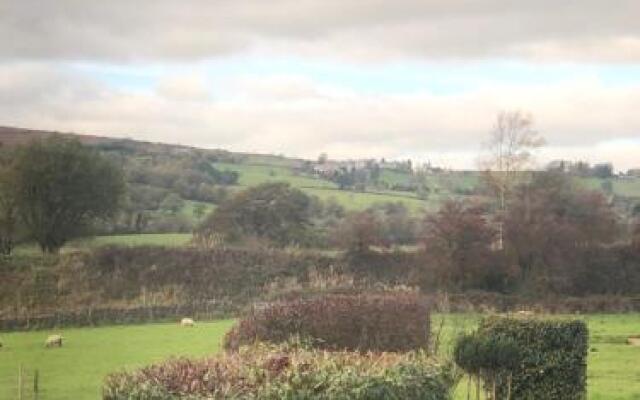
(300, 117)
(166, 30)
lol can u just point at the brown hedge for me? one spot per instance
(363, 322)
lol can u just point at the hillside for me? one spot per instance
(172, 187)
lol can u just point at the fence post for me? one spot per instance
(20, 382)
(36, 384)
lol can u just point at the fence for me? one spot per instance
(108, 316)
(24, 384)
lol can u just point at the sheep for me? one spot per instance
(187, 322)
(525, 313)
(53, 341)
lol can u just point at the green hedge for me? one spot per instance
(379, 322)
(553, 355)
(287, 371)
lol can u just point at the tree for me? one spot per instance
(510, 147)
(322, 158)
(8, 209)
(63, 187)
(272, 211)
(457, 241)
(551, 224)
(172, 203)
(358, 231)
(199, 211)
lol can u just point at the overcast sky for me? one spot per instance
(353, 78)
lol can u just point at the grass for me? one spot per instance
(140, 239)
(252, 174)
(76, 370)
(613, 370)
(626, 187)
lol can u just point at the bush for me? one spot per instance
(287, 372)
(553, 355)
(380, 322)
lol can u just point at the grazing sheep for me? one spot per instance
(525, 313)
(53, 341)
(187, 322)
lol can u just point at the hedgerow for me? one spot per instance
(286, 371)
(380, 322)
(552, 355)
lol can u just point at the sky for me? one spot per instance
(417, 79)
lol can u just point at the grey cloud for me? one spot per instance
(136, 30)
(574, 115)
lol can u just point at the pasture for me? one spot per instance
(76, 370)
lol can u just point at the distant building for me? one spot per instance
(635, 172)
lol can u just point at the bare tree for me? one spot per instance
(510, 151)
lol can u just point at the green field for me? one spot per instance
(252, 174)
(141, 239)
(76, 371)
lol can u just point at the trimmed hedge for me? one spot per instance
(287, 372)
(377, 322)
(553, 355)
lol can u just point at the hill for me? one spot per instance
(172, 187)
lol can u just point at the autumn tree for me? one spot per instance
(62, 188)
(457, 241)
(550, 225)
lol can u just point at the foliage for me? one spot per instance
(379, 322)
(271, 211)
(63, 187)
(457, 241)
(287, 371)
(357, 232)
(553, 356)
(551, 225)
(488, 358)
(9, 220)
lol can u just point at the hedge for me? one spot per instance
(287, 372)
(380, 322)
(553, 356)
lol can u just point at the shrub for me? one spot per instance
(287, 372)
(488, 358)
(382, 322)
(553, 357)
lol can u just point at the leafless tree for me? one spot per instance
(510, 151)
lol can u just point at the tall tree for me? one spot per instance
(62, 187)
(510, 148)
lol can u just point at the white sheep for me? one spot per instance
(525, 313)
(53, 341)
(187, 322)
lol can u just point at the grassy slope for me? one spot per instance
(76, 371)
(252, 174)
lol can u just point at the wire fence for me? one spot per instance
(23, 384)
